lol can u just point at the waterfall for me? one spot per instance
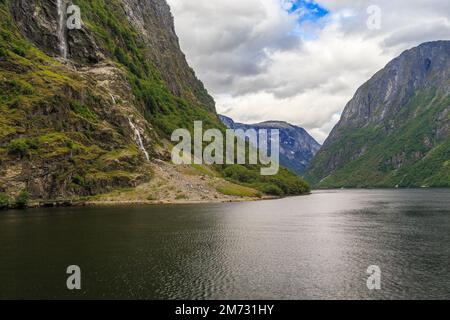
(62, 28)
(139, 139)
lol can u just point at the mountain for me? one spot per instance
(396, 129)
(297, 147)
(88, 112)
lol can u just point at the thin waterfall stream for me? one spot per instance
(139, 139)
(61, 5)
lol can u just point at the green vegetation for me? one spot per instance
(83, 111)
(18, 147)
(22, 199)
(49, 115)
(409, 156)
(231, 189)
(52, 115)
(4, 201)
(120, 40)
(205, 170)
(284, 183)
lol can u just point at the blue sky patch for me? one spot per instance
(307, 10)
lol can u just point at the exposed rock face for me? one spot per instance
(380, 99)
(297, 147)
(42, 23)
(396, 124)
(78, 152)
(89, 111)
(73, 125)
(154, 21)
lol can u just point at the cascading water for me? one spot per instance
(62, 28)
(139, 139)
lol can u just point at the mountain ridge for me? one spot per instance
(297, 146)
(395, 130)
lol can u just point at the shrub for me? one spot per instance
(22, 199)
(18, 147)
(281, 184)
(3, 53)
(271, 189)
(33, 143)
(19, 50)
(240, 173)
(4, 201)
(70, 144)
(79, 180)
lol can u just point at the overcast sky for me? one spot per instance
(298, 60)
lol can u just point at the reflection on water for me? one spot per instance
(313, 247)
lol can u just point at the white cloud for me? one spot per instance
(251, 56)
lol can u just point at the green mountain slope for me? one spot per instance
(395, 131)
(72, 126)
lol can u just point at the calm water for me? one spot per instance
(313, 247)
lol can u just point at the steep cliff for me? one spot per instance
(395, 130)
(297, 147)
(87, 111)
(83, 109)
(154, 22)
(110, 26)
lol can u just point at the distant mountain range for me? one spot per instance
(396, 129)
(297, 146)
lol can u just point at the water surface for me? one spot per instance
(311, 247)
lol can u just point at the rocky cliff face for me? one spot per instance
(79, 107)
(89, 111)
(395, 130)
(152, 21)
(297, 147)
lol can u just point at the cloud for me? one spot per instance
(263, 60)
